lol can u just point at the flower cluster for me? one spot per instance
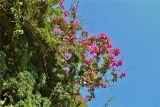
(88, 59)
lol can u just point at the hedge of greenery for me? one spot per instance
(46, 57)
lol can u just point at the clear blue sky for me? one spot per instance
(133, 26)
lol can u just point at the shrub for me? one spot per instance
(43, 60)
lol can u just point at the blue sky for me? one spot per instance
(134, 27)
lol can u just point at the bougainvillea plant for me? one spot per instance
(47, 57)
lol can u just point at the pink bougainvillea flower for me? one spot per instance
(93, 48)
(120, 62)
(57, 31)
(67, 13)
(83, 100)
(94, 96)
(112, 59)
(65, 20)
(75, 84)
(114, 68)
(109, 45)
(102, 35)
(84, 32)
(74, 8)
(62, 6)
(116, 51)
(87, 97)
(91, 86)
(85, 78)
(84, 42)
(106, 47)
(93, 37)
(68, 55)
(66, 41)
(104, 85)
(66, 70)
(91, 51)
(76, 23)
(72, 34)
(88, 61)
(101, 40)
(117, 76)
(100, 50)
(123, 74)
(94, 55)
(61, 2)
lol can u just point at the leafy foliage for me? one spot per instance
(43, 61)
